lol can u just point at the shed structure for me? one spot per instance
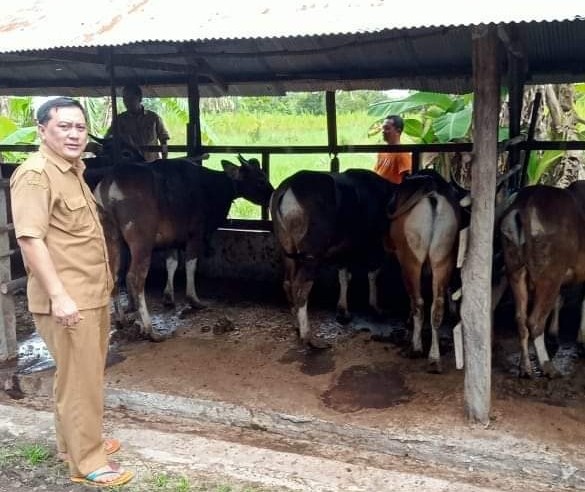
(268, 48)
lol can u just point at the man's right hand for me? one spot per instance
(64, 309)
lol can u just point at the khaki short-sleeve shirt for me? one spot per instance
(50, 201)
(142, 128)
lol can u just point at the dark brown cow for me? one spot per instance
(425, 221)
(169, 204)
(335, 218)
(543, 239)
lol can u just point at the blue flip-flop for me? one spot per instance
(91, 478)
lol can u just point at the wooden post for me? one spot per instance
(194, 125)
(8, 345)
(477, 268)
(266, 169)
(332, 129)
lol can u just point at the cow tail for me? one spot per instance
(512, 228)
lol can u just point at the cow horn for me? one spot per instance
(242, 160)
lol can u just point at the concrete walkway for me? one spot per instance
(146, 449)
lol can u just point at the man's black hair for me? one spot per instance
(43, 113)
(397, 121)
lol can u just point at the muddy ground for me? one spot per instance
(243, 349)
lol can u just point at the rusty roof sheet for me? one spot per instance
(44, 24)
(252, 47)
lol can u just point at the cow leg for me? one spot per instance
(544, 301)
(301, 288)
(289, 273)
(192, 297)
(139, 266)
(373, 291)
(518, 284)
(343, 315)
(441, 275)
(552, 332)
(172, 264)
(114, 247)
(302, 291)
(411, 273)
(581, 334)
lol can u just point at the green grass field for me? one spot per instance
(282, 129)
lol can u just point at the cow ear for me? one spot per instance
(231, 169)
(254, 163)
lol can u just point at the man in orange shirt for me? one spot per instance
(393, 166)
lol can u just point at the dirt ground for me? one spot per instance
(246, 352)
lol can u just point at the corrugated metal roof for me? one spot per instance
(261, 47)
(37, 24)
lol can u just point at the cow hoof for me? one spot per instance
(343, 317)
(524, 374)
(410, 353)
(552, 345)
(316, 343)
(168, 301)
(157, 337)
(197, 305)
(550, 371)
(377, 315)
(435, 367)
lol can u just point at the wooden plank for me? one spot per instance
(12, 286)
(8, 345)
(266, 169)
(477, 268)
(530, 137)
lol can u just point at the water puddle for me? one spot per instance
(313, 362)
(33, 356)
(362, 387)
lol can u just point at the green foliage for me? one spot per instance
(540, 164)
(34, 454)
(452, 126)
(428, 116)
(160, 480)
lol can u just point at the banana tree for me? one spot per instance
(428, 117)
(17, 126)
(563, 118)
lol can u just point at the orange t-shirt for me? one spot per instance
(391, 166)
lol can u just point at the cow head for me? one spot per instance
(249, 180)
(105, 152)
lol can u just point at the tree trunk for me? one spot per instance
(560, 102)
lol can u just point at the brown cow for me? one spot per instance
(329, 218)
(425, 220)
(170, 203)
(543, 239)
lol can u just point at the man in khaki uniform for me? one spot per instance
(69, 284)
(140, 126)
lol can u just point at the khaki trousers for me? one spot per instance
(80, 353)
